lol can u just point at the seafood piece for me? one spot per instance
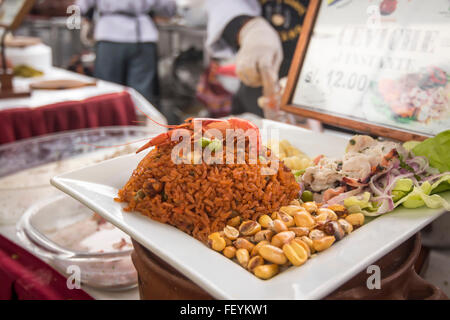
(206, 124)
(322, 176)
(356, 166)
(331, 193)
(359, 143)
(365, 157)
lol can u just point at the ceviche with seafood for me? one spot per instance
(374, 177)
(272, 207)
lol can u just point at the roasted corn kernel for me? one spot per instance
(249, 228)
(279, 226)
(231, 232)
(339, 209)
(272, 254)
(291, 210)
(299, 231)
(346, 226)
(234, 222)
(255, 250)
(265, 221)
(333, 228)
(263, 235)
(325, 214)
(304, 245)
(216, 242)
(241, 243)
(309, 243)
(228, 242)
(255, 262)
(281, 238)
(323, 243)
(316, 234)
(229, 252)
(242, 257)
(295, 203)
(355, 219)
(287, 219)
(266, 271)
(295, 253)
(311, 207)
(250, 238)
(304, 220)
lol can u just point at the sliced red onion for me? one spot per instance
(373, 187)
(419, 164)
(387, 205)
(437, 176)
(392, 184)
(340, 198)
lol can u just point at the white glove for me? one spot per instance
(274, 100)
(260, 51)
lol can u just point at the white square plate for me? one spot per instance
(97, 185)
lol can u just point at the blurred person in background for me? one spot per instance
(263, 34)
(126, 38)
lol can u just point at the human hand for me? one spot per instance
(260, 52)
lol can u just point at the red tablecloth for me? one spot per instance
(116, 109)
(25, 277)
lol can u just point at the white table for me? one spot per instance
(44, 97)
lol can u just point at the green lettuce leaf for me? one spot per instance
(421, 196)
(360, 203)
(402, 188)
(443, 184)
(436, 150)
(409, 145)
